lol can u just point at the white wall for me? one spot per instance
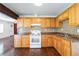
(8, 29)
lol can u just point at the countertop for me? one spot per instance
(66, 36)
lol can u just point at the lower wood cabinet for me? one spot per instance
(62, 45)
(25, 41)
(44, 41)
(21, 41)
(50, 43)
(17, 41)
(47, 40)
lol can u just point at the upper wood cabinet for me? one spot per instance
(43, 23)
(60, 17)
(72, 15)
(53, 22)
(27, 22)
(47, 24)
(77, 14)
(19, 22)
(36, 20)
(58, 23)
(66, 14)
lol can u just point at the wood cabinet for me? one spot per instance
(27, 22)
(43, 23)
(54, 41)
(36, 20)
(50, 40)
(52, 22)
(62, 45)
(66, 48)
(77, 14)
(47, 40)
(47, 22)
(44, 41)
(72, 15)
(19, 22)
(21, 41)
(25, 41)
(60, 17)
(66, 14)
(17, 41)
(58, 23)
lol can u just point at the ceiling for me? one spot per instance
(46, 10)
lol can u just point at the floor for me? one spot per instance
(7, 49)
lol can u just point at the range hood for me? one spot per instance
(35, 25)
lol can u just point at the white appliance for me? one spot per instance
(35, 38)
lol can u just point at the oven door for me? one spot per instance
(35, 40)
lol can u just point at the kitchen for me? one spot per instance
(44, 27)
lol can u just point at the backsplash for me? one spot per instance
(26, 30)
(67, 29)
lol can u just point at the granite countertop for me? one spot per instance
(66, 36)
(69, 37)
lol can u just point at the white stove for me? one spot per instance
(35, 39)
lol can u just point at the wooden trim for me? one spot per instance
(15, 28)
(7, 11)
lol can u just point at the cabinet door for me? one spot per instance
(66, 51)
(72, 16)
(60, 17)
(66, 48)
(52, 22)
(50, 43)
(44, 41)
(27, 22)
(43, 22)
(66, 14)
(58, 23)
(17, 41)
(77, 14)
(19, 22)
(25, 41)
(48, 22)
(36, 20)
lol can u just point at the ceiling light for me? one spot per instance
(38, 4)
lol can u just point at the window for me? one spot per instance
(1, 28)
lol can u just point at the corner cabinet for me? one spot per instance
(62, 45)
(58, 23)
